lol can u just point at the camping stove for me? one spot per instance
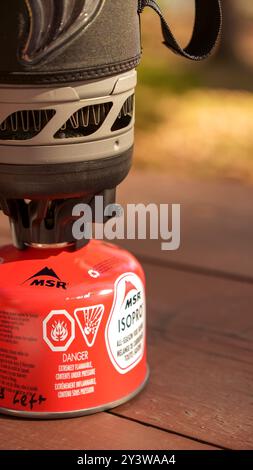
(72, 312)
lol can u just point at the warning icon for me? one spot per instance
(89, 319)
(59, 330)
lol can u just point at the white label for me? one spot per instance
(125, 330)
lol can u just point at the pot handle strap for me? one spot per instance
(207, 27)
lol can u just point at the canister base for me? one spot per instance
(75, 414)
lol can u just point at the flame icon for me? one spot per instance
(59, 331)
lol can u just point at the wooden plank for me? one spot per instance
(217, 222)
(200, 351)
(101, 431)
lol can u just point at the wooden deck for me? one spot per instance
(200, 333)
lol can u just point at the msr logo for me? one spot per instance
(131, 300)
(46, 277)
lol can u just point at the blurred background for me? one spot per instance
(194, 140)
(196, 119)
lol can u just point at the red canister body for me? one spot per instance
(72, 330)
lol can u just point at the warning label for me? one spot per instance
(16, 365)
(89, 319)
(11, 325)
(75, 379)
(125, 331)
(58, 330)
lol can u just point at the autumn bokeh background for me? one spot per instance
(197, 118)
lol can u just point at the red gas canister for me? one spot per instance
(72, 330)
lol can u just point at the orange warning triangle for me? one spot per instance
(89, 319)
